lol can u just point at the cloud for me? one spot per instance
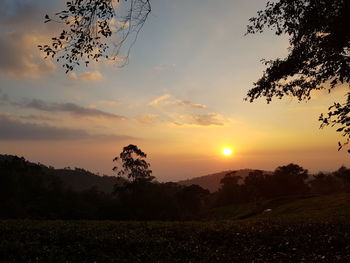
(20, 57)
(191, 105)
(159, 100)
(24, 14)
(12, 129)
(67, 107)
(167, 100)
(148, 118)
(110, 102)
(22, 29)
(199, 119)
(182, 112)
(86, 76)
(37, 117)
(162, 67)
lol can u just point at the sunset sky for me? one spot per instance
(180, 98)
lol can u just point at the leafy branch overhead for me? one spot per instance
(319, 54)
(88, 24)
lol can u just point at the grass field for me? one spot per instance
(315, 229)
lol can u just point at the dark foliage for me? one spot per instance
(286, 180)
(230, 191)
(89, 24)
(318, 58)
(326, 184)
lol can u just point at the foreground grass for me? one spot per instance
(278, 237)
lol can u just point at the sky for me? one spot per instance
(180, 98)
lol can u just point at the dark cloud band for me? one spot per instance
(12, 129)
(68, 107)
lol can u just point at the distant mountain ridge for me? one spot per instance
(212, 181)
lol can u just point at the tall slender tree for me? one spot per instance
(133, 165)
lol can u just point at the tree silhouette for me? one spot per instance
(89, 24)
(319, 54)
(133, 165)
(289, 180)
(230, 190)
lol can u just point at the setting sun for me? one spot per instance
(227, 151)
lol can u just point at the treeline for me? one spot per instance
(28, 190)
(290, 180)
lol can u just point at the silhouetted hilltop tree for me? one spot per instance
(133, 165)
(319, 54)
(141, 197)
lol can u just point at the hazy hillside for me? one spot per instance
(76, 179)
(79, 179)
(212, 181)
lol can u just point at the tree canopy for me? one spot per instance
(319, 54)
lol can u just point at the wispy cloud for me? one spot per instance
(148, 118)
(168, 100)
(210, 119)
(13, 129)
(155, 102)
(111, 103)
(37, 117)
(187, 103)
(184, 112)
(67, 107)
(86, 76)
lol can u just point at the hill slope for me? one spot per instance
(75, 179)
(311, 207)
